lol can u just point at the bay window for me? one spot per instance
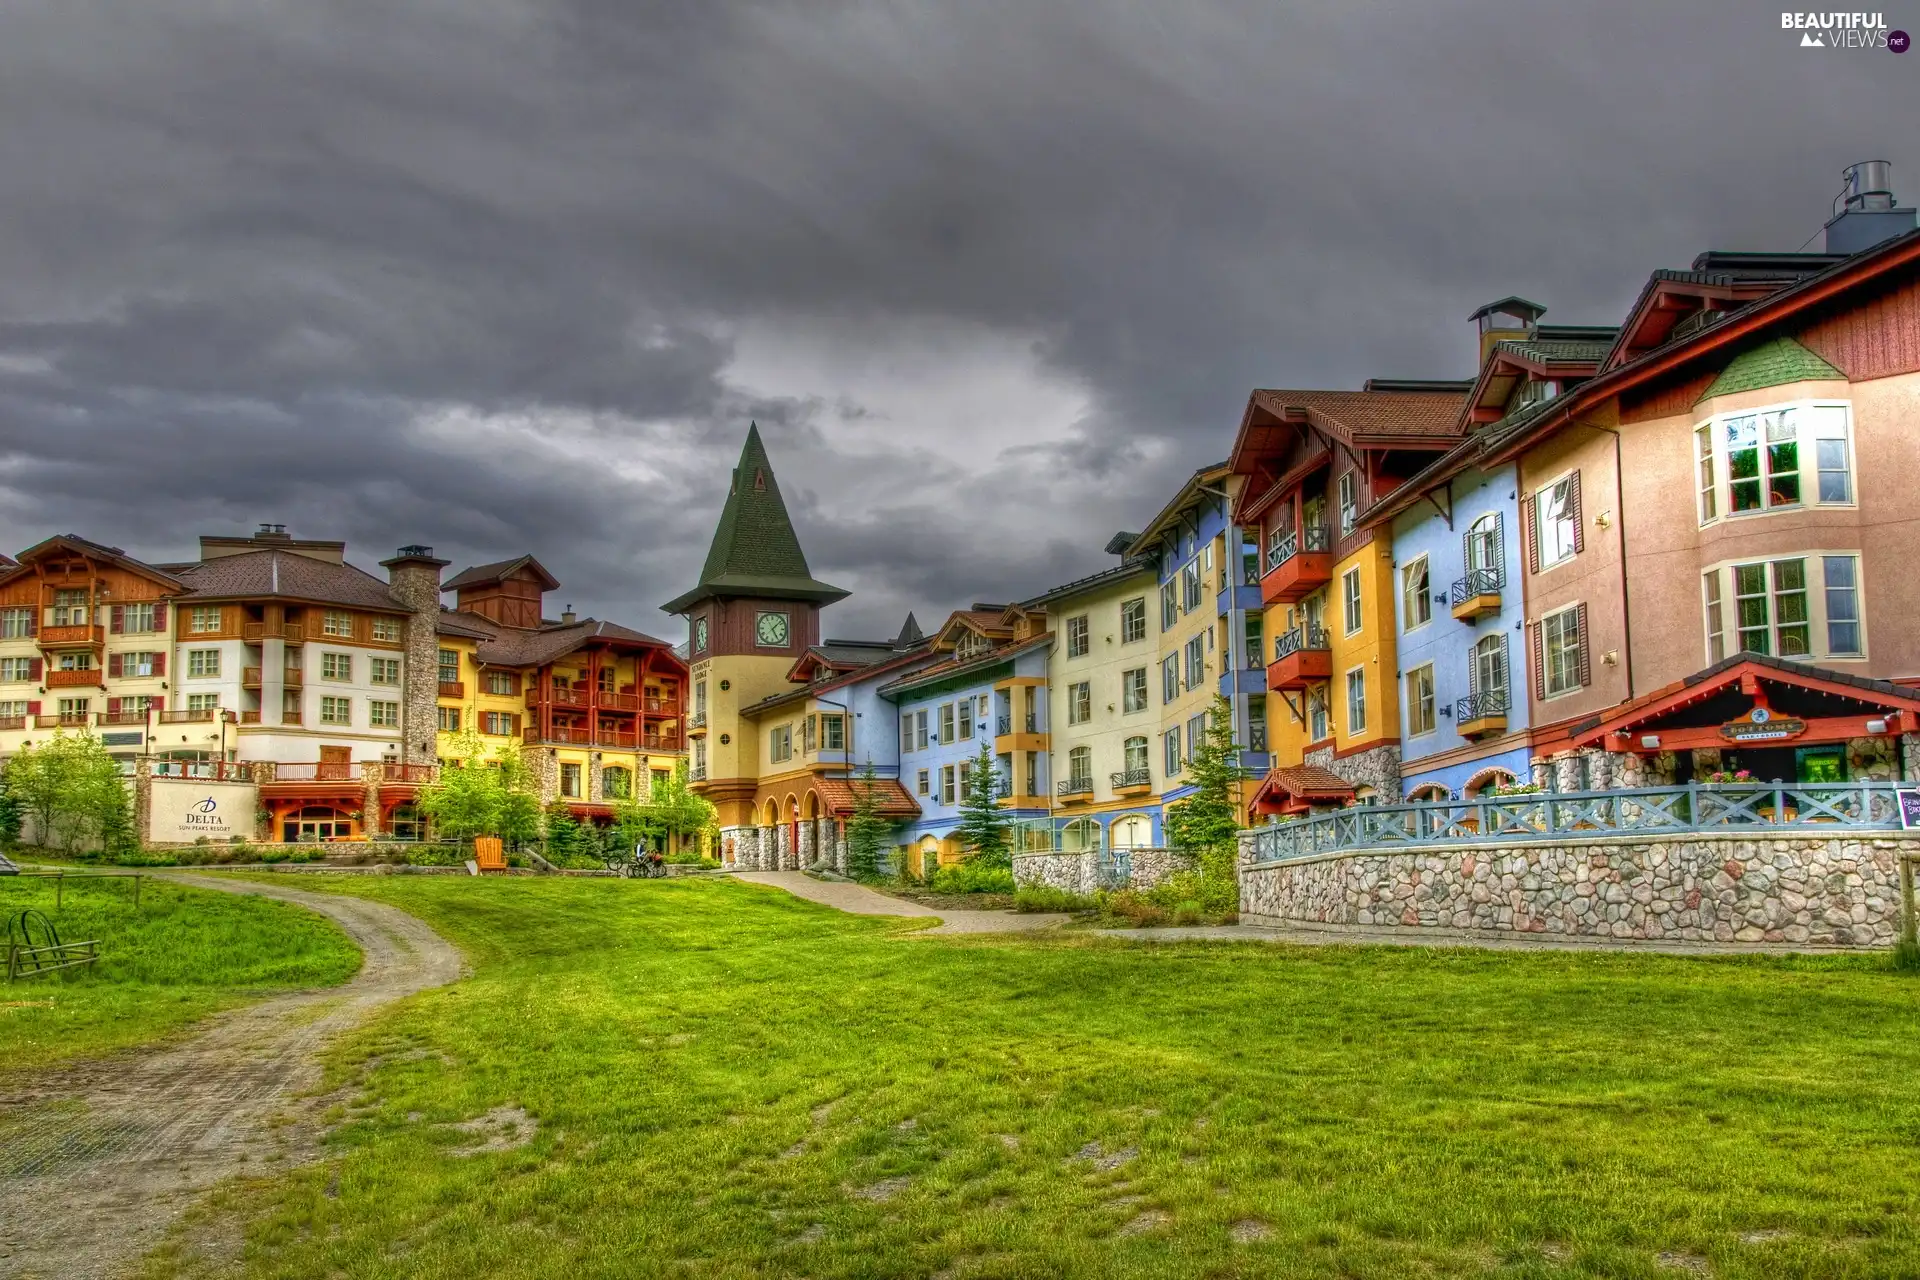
(1764, 460)
(1791, 607)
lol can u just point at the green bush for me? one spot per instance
(1906, 956)
(967, 877)
(693, 858)
(1046, 898)
(1136, 908)
(1211, 896)
(435, 855)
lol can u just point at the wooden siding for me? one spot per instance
(1875, 339)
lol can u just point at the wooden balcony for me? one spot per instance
(559, 735)
(73, 637)
(9, 724)
(1477, 595)
(1301, 657)
(394, 771)
(607, 700)
(453, 688)
(205, 715)
(292, 632)
(70, 720)
(249, 717)
(87, 678)
(124, 717)
(1299, 565)
(320, 771)
(290, 716)
(291, 677)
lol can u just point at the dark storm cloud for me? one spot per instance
(477, 273)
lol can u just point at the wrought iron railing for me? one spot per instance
(698, 720)
(1005, 726)
(1584, 815)
(697, 773)
(1077, 787)
(1479, 582)
(1477, 706)
(1002, 787)
(1288, 643)
(1132, 778)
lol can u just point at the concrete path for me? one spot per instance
(857, 899)
(98, 1157)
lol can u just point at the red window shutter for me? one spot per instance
(114, 662)
(516, 724)
(118, 619)
(159, 664)
(156, 704)
(1586, 660)
(1529, 520)
(1539, 663)
(34, 667)
(1579, 518)
(113, 706)
(33, 708)
(160, 616)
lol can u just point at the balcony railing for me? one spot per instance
(290, 716)
(64, 720)
(211, 770)
(249, 717)
(607, 700)
(85, 678)
(1313, 537)
(320, 771)
(1818, 807)
(69, 637)
(200, 715)
(698, 720)
(563, 735)
(662, 707)
(697, 773)
(1256, 737)
(1029, 721)
(1478, 582)
(1478, 706)
(258, 631)
(1002, 788)
(1288, 643)
(1076, 787)
(9, 724)
(453, 688)
(1132, 778)
(562, 697)
(394, 771)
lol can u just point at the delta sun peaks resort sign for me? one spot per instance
(188, 809)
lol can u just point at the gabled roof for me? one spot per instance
(499, 571)
(952, 667)
(1510, 304)
(840, 794)
(1093, 582)
(1192, 492)
(831, 657)
(74, 543)
(1293, 788)
(755, 551)
(503, 646)
(1771, 364)
(286, 575)
(1275, 421)
(984, 620)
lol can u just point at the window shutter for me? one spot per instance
(34, 667)
(1586, 660)
(113, 706)
(1466, 551)
(114, 662)
(160, 616)
(1473, 671)
(156, 704)
(1539, 662)
(1579, 518)
(515, 718)
(159, 664)
(33, 708)
(1499, 547)
(1529, 529)
(118, 619)
(33, 622)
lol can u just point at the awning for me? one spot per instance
(1296, 788)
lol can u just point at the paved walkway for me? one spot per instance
(857, 899)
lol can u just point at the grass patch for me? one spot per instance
(709, 1079)
(179, 955)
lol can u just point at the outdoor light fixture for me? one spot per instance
(1649, 740)
(1876, 726)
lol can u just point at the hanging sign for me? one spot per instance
(1762, 725)
(1909, 809)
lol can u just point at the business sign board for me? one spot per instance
(1909, 809)
(1761, 725)
(182, 810)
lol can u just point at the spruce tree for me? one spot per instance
(1207, 824)
(985, 829)
(866, 830)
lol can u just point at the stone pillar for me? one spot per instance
(413, 576)
(736, 844)
(370, 778)
(142, 797)
(543, 766)
(596, 777)
(1909, 756)
(803, 856)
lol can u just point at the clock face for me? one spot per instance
(699, 635)
(770, 629)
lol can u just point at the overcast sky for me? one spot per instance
(993, 275)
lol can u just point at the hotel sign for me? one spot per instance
(1761, 725)
(183, 810)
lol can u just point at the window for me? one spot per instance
(336, 666)
(1485, 551)
(15, 623)
(1420, 706)
(70, 607)
(1034, 785)
(946, 722)
(966, 719)
(449, 719)
(383, 671)
(1170, 678)
(335, 622)
(1416, 605)
(1770, 604)
(82, 661)
(385, 714)
(1763, 461)
(1192, 586)
(13, 709)
(1563, 653)
(204, 663)
(971, 644)
(1169, 605)
(1079, 702)
(1171, 761)
(906, 731)
(966, 772)
(387, 629)
(1133, 621)
(808, 735)
(1319, 724)
(925, 786)
(1832, 463)
(1133, 690)
(1489, 672)
(1196, 734)
(1356, 701)
(1196, 662)
(616, 783)
(14, 670)
(144, 662)
(920, 729)
(204, 620)
(496, 724)
(449, 666)
(1080, 766)
(1350, 598)
(1841, 576)
(501, 683)
(1256, 723)
(1716, 617)
(1349, 500)
(1707, 481)
(1557, 520)
(1077, 636)
(780, 743)
(1773, 458)
(336, 711)
(833, 735)
(1134, 754)
(139, 617)
(946, 784)
(570, 781)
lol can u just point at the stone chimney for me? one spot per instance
(566, 616)
(413, 579)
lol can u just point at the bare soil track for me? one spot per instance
(96, 1159)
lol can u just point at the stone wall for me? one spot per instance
(1081, 872)
(1790, 887)
(1376, 767)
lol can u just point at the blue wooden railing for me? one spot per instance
(1532, 816)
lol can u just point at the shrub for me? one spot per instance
(434, 855)
(1043, 897)
(1134, 907)
(1906, 956)
(972, 877)
(1210, 895)
(693, 858)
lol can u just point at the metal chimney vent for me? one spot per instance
(1864, 212)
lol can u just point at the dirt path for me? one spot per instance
(857, 899)
(97, 1159)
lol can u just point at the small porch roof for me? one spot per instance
(1293, 788)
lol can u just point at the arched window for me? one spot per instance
(1080, 764)
(1365, 795)
(1432, 793)
(1483, 782)
(616, 782)
(1135, 831)
(1490, 673)
(1082, 835)
(1136, 758)
(1485, 550)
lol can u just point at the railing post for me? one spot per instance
(1693, 805)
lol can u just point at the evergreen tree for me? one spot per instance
(564, 839)
(1207, 823)
(867, 831)
(985, 829)
(10, 815)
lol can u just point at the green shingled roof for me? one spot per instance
(755, 551)
(1772, 364)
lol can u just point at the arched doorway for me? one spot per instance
(1082, 835)
(1134, 831)
(1486, 780)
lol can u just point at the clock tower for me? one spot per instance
(755, 610)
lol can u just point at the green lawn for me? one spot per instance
(178, 955)
(730, 1082)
